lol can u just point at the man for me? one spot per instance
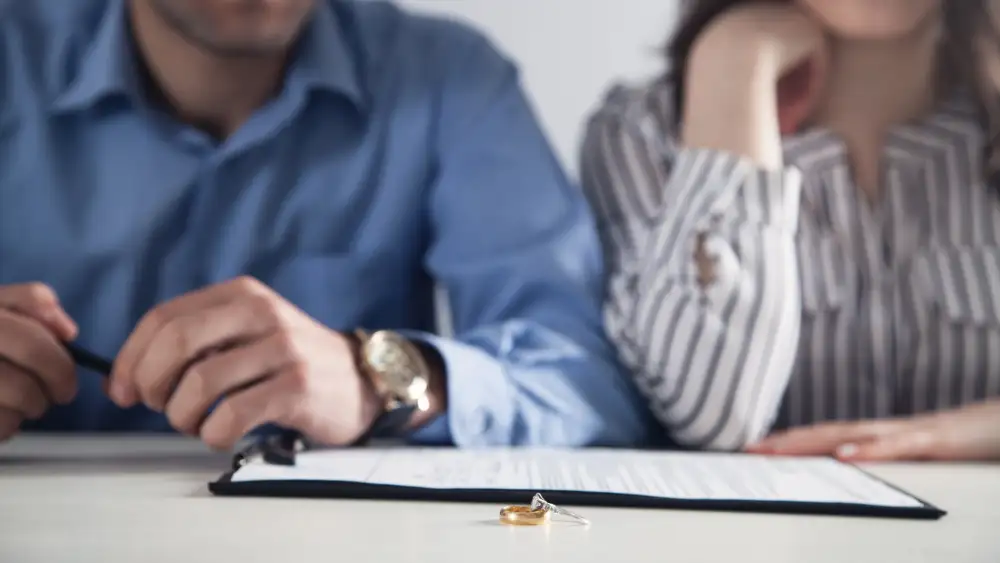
(220, 193)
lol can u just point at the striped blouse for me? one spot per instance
(822, 305)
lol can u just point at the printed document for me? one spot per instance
(673, 475)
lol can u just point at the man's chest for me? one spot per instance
(119, 219)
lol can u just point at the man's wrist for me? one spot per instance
(375, 406)
(372, 405)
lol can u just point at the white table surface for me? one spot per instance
(144, 499)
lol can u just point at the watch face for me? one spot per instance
(398, 363)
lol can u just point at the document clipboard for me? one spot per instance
(586, 477)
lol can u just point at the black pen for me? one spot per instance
(89, 360)
(275, 448)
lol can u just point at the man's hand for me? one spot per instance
(968, 434)
(244, 345)
(36, 371)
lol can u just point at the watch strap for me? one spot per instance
(389, 424)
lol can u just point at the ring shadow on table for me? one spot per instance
(495, 522)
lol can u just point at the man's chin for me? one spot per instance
(245, 49)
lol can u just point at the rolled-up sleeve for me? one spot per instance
(516, 248)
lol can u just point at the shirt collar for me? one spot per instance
(323, 62)
(107, 68)
(324, 59)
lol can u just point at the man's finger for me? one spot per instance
(35, 350)
(906, 445)
(122, 384)
(185, 340)
(275, 400)
(224, 373)
(10, 423)
(21, 392)
(39, 302)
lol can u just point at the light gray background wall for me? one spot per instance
(568, 50)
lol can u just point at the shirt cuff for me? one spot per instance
(712, 180)
(480, 411)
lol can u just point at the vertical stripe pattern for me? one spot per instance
(824, 306)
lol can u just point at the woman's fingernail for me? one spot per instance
(847, 451)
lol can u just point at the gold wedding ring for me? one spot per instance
(520, 515)
(537, 513)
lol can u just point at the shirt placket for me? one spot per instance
(877, 339)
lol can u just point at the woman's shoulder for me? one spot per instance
(645, 110)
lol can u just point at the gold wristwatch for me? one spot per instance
(400, 376)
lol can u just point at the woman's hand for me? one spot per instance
(968, 434)
(754, 74)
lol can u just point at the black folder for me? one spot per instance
(308, 485)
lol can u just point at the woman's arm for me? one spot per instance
(713, 356)
(970, 433)
(699, 230)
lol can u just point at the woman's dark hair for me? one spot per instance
(970, 53)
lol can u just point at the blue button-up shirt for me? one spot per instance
(400, 152)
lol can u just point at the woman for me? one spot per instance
(801, 230)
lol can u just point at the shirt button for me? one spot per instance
(194, 141)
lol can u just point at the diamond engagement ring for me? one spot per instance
(538, 503)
